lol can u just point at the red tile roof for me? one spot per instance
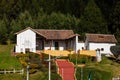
(52, 34)
(56, 34)
(101, 38)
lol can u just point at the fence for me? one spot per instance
(116, 78)
(11, 71)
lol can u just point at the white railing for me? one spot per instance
(11, 71)
(116, 78)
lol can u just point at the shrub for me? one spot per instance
(80, 58)
(115, 50)
(34, 66)
(32, 71)
(19, 55)
(24, 64)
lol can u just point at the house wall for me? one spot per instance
(80, 45)
(86, 44)
(105, 46)
(26, 39)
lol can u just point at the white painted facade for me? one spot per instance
(80, 45)
(104, 46)
(26, 40)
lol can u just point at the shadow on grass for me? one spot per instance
(114, 60)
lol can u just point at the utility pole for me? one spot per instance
(49, 67)
(27, 72)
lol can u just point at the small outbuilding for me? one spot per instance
(100, 41)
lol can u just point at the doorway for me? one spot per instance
(56, 45)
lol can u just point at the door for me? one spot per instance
(56, 45)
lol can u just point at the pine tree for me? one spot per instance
(115, 21)
(92, 20)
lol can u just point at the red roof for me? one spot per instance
(52, 34)
(56, 34)
(101, 38)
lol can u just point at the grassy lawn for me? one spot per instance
(9, 62)
(6, 60)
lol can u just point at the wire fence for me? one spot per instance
(116, 78)
(11, 71)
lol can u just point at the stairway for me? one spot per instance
(66, 69)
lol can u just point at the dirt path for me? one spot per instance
(66, 69)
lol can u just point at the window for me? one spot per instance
(102, 49)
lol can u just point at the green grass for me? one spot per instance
(6, 60)
(107, 67)
(104, 70)
(11, 77)
(9, 62)
(44, 76)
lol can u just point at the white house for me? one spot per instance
(100, 41)
(43, 39)
(80, 45)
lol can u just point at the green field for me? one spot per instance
(6, 60)
(9, 62)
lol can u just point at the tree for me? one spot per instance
(3, 32)
(115, 50)
(92, 20)
(115, 20)
(57, 21)
(23, 20)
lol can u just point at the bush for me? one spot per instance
(24, 64)
(19, 55)
(34, 66)
(115, 50)
(32, 71)
(81, 59)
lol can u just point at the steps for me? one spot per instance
(66, 69)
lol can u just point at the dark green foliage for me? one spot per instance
(81, 59)
(92, 20)
(82, 16)
(115, 20)
(115, 50)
